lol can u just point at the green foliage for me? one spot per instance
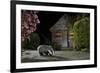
(81, 31)
(32, 42)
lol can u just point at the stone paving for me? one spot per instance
(33, 56)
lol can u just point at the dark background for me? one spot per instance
(47, 20)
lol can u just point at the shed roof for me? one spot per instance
(61, 24)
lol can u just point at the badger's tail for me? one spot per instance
(38, 48)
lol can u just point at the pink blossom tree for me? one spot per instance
(29, 21)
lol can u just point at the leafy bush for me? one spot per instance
(32, 42)
(82, 33)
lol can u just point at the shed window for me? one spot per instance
(58, 34)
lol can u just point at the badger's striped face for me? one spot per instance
(50, 52)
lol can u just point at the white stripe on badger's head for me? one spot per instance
(50, 52)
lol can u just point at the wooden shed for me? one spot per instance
(59, 32)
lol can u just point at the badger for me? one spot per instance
(45, 50)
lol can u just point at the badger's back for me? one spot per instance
(42, 48)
